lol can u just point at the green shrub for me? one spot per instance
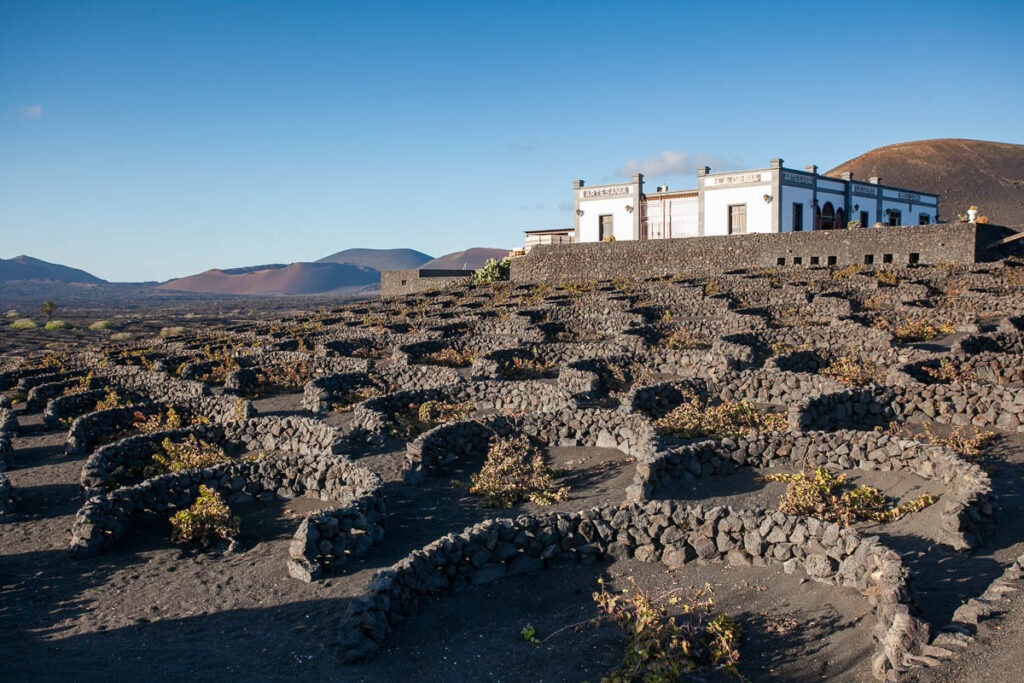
(103, 326)
(209, 517)
(683, 339)
(968, 441)
(493, 271)
(48, 308)
(449, 357)
(668, 636)
(157, 422)
(696, 418)
(816, 492)
(515, 471)
(847, 271)
(173, 331)
(579, 286)
(852, 371)
(24, 324)
(886, 278)
(417, 419)
(111, 400)
(59, 325)
(911, 328)
(527, 368)
(189, 454)
(950, 371)
(350, 399)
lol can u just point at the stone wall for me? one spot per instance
(954, 242)
(159, 385)
(664, 531)
(851, 408)
(8, 428)
(123, 461)
(966, 508)
(91, 427)
(40, 394)
(325, 538)
(415, 280)
(631, 434)
(982, 405)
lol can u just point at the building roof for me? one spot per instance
(554, 231)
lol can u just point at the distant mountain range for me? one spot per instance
(379, 259)
(28, 268)
(348, 271)
(296, 278)
(989, 175)
(469, 259)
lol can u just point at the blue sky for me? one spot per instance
(149, 140)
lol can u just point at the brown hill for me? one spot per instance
(989, 175)
(379, 259)
(468, 259)
(28, 268)
(297, 278)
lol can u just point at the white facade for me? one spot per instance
(606, 212)
(773, 199)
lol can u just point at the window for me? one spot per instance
(831, 260)
(737, 219)
(886, 258)
(895, 217)
(605, 228)
(828, 216)
(781, 261)
(864, 220)
(914, 259)
(798, 260)
(815, 260)
(869, 259)
(922, 219)
(798, 217)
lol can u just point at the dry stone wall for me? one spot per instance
(660, 531)
(709, 256)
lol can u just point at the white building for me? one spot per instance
(773, 199)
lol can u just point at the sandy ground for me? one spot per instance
(150, 609)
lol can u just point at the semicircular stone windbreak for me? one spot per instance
(125, 461)
(41, 392)
(95, 428)
(659, 531)
(328, 537)
(961, 403)
(292, 368)
(321, 393)
(372, 418)
(966, 511)
(470, 439)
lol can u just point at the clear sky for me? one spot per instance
(148, 140)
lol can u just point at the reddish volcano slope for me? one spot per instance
(468, 259)
(989, 175)
(297, 278)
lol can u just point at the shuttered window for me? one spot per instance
(737, 219)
